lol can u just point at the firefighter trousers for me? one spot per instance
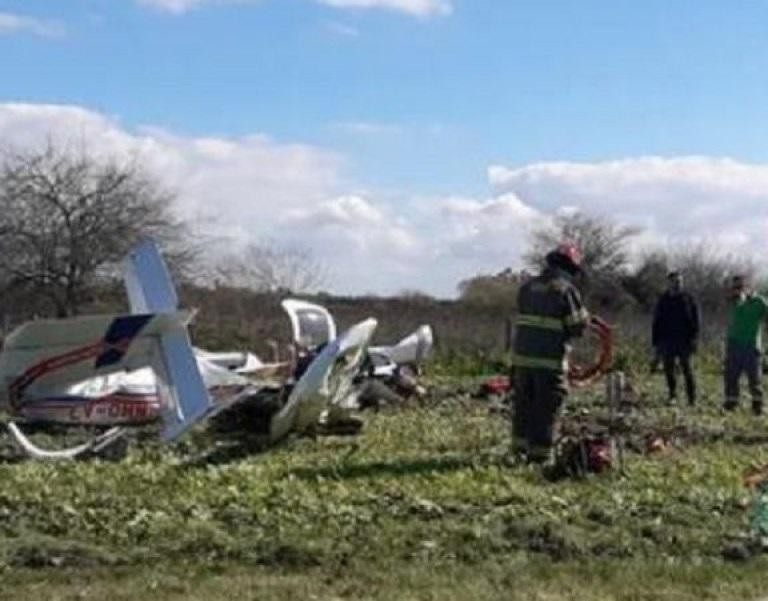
(539, 394)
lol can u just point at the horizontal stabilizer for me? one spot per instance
(45, 359)
(42, 358)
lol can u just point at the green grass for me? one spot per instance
(423, 505)
(509, 578)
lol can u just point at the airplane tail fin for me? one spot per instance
(180, 384)
(147, 280)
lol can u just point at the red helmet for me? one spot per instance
(570, 251)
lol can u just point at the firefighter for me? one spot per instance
(744, 344)
(550, 313)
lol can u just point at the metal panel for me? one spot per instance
(325, 383)
(187, 397)
(147, 280)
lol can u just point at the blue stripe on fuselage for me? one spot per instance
(121, 330)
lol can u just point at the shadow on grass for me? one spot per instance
(750, 439)
(397, 467)
(230, 451)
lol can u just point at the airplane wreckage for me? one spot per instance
(112, 372)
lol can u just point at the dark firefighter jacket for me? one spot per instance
(550, 312)
(675, 323)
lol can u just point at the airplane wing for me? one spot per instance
(413, 349)
(45, 356)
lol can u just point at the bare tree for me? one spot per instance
(67, 218)
(604, 245)
(648, 279)
(705, 271)
(266, 266)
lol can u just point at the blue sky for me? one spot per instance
(417, 106)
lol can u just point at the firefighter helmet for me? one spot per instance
(567, 255)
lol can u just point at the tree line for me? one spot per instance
(69, 216)
(616, 280)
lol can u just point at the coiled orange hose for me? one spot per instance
(580, 376)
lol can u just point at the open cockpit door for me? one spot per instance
(312, 324)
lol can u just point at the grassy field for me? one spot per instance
(424, 505)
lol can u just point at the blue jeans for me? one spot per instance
(747, 360)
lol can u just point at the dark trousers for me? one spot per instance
(539, 394)
(739, 360)
(671, 358)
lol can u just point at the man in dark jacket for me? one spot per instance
(550, 313)
(675, 335)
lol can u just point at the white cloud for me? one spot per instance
(176, 7)
(368, 243)
(416, 8)
(244, 189)
(239, 186)
(342, 29)
(686, 199)
(11, 23)
(344, 211)
(479, 236)
(492, 229)
(251, 187)
(367, 128)
(718, 202)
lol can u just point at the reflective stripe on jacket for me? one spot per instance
(550, 313)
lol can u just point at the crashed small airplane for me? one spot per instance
(392, 366)
(127, 370)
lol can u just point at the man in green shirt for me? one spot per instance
(744, 344)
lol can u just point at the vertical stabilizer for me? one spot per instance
(180, 384)
(147, 280)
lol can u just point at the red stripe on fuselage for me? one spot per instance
(109, 410)
(58, 362)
